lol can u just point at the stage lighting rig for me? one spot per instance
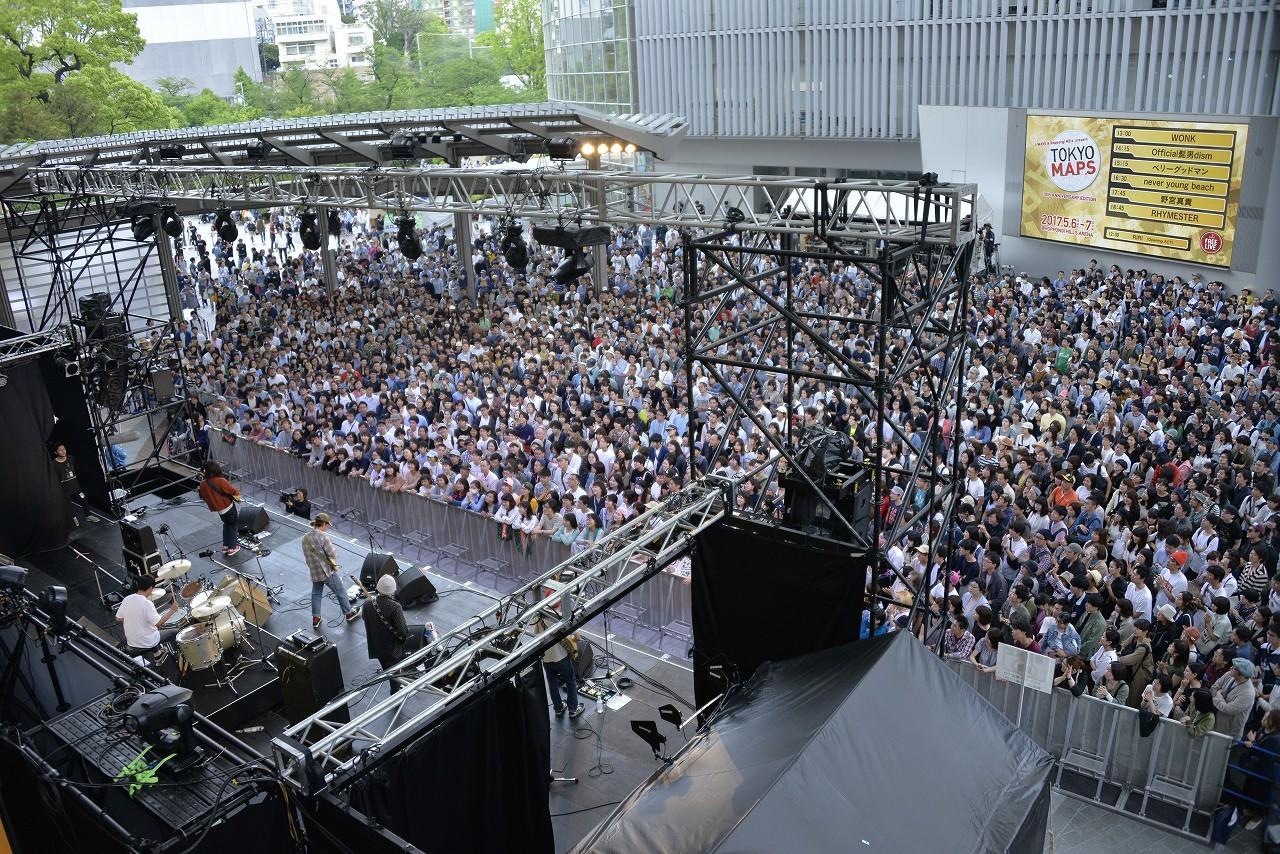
(564, 148)
(53, 601)
(163, 717)
(172, 151)
(142, 226)
(407, 236)
(402, 146)
(170, 221)
(513, 247)
(225, 226)
(308, 230)
(573, 267)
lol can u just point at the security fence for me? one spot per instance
(1168, 778)
(455, 541)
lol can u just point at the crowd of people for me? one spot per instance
(1118, 440)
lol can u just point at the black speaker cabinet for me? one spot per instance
(309, 678)
(414, 588)
(138, 538)
(251, 519)
(142, 564)
(375, 566)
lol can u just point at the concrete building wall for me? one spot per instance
(205, 42)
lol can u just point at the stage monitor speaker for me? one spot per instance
(375, 566)
(138, 538)
(253, 519)
(142, 564)
(309, 678)
(414, 588)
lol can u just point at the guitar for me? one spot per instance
(363, 589)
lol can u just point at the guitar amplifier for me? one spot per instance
(309, 678)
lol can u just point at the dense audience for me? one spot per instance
(1118, 443)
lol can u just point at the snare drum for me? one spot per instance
(198, 645)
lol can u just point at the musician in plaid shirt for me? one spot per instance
(322, 562)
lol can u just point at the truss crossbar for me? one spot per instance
(24, 348)
(495, 644)
(867, 211)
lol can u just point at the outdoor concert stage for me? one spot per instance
(255, 700)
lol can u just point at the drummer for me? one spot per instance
(142, 632)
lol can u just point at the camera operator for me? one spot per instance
(296, 502)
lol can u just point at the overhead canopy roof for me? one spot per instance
(874, 746)
(362, 137)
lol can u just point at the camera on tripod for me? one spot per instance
(289, 494)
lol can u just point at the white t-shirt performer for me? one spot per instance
(142, 632)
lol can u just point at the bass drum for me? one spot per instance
(229, 626)
(198, 645)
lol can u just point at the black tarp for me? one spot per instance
(872, 746)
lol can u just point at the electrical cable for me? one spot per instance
(585, 809)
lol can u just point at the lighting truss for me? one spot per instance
(327, 751)
(860, 211)
(24, 348)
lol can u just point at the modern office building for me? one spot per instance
(463, 17)
(205, 41)
(832, 88)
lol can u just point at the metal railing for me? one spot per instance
(455, 541)
(1101, 757)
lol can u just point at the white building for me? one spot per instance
(312, 36)
(205, 41)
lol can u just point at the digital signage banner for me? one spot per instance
(1169, 189)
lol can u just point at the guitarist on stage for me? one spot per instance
(384, 626)
(221, 497)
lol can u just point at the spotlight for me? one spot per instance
(929, 179)
(70, 367)
(170, 221)
(163, 717)
(732, 215)
(615, 148)
(571, 236)
(519, 151)
(629, 148)
(648, 732)
(225, 226)
(571, 268)
(402, 147)
(588, 149)
(107, 363)
(4, 380)
(513, 247)
(142, 227)
(53, 601)
(256, 150)
(335, 224)
(172, 151)
(435, 139)
(407, 237)
(562, 148)
(457, 137)
(308, 231)
(12, 578)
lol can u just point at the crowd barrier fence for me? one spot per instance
(1098, 744)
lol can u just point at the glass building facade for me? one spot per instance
(589, 52)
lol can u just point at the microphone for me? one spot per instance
(163, 529)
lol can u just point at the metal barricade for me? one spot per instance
(662, 600)
(1098, 744)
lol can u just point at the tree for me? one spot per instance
(517, 44)
(297, 97)
(269, 56)
(174, 89)
(206, 108)
(102, 100)
(44, 41)
(395, 23)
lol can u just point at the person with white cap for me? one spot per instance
(385, 626)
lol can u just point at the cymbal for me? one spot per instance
(173, 569)
(210, 606)
(157, 593)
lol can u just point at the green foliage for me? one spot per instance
(517, 44)
(269, 56)
(99, 100)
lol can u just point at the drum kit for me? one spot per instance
(211, 630)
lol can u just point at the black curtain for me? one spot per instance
(760, 594)
(74, 429)
(479, 782)
(34, 514)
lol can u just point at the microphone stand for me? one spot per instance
(97, 578)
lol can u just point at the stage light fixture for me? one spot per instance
(615, 148)
(734, 215)
(256, 150)
(407, 237)
(172, 151)
(435, 139)
(571, 268)
(401, 147)
(12, 578)
(170, 221)
(929, 179)
(562, 148)
(457, 137)
(571, 236)
(335, 224)
(53, 601)
(70, 367)
(163, 717)
(225, 226)
(519, 151)
(142, 227)
(513, 247)
(648, 732)
(308, 230)
(4, 380)
(629, 148)
(588, 149)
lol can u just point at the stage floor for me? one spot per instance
(584, 748)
